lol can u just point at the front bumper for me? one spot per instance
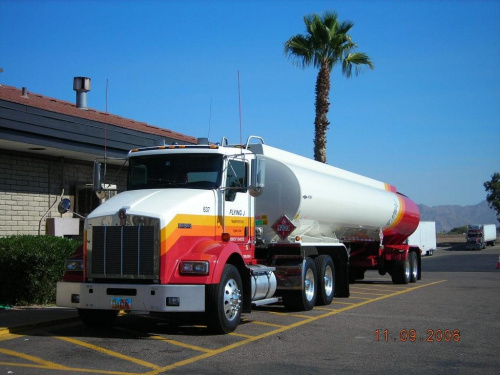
(145, 298)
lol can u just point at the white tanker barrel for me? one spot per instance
(328, 204)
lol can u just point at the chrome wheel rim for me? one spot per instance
(328, 278)
(232, 300)
(309, 284)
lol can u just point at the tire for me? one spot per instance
(401, 272)
(325, 271)
(98, 318)
(304, 299)
(413, 266)
(224, 302)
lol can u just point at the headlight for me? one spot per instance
(194, 268)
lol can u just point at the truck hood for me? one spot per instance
(163, 204)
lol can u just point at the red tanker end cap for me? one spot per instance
(405, 224)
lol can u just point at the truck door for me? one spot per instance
(237, 201)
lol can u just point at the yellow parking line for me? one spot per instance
(37, 360)
(343, 303)
(299, 316)
(266, 324)
(369, 293)
(170, 341)
(182, 344)
(374, 288)
(240, 335)
(109, 352)
(323, 308)
(352, 297)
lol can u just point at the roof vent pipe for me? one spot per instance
(24, 92)
(81, 85)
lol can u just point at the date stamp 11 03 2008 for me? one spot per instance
(412, 335)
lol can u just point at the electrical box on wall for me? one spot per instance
(59, 226)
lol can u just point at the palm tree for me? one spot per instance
(326, 44)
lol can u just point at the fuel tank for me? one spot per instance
(326, 204)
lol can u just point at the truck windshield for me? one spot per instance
(192, 171)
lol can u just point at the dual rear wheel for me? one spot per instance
(318, 285)
(405, 271)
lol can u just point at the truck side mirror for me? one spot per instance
(257, 176)
(96, 183)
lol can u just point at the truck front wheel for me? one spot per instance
(97, 318)
(304, 299)
(224, 301)
(326, 279)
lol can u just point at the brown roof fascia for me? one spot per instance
(15, 95)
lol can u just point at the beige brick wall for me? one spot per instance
(30, 185)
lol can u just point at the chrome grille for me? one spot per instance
(123, 252)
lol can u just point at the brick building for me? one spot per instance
(47, 151)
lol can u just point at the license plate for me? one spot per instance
(121, 303)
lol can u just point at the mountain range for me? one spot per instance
(452, 216)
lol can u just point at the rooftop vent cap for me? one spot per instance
(202, 141)
(81, 85)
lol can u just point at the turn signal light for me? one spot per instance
(226, 237)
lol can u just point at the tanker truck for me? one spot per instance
(209, 231)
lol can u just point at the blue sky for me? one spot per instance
(426, 119)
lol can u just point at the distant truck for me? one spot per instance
(480, 235)
(424, 237)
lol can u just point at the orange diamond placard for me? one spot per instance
(283, 227)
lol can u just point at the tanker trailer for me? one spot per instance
(331, 206)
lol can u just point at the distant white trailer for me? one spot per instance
(424, 237)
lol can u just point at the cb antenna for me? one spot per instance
(106, 133)
(209, 118)
(239, 103)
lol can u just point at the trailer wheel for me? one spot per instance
(325, 271)
(97, 318)
(304, 299)
(413, 267)
(401, 272)
(224, 302)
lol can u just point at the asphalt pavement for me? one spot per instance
(16, 319)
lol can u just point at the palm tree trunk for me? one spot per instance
(322, 105)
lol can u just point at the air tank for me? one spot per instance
(327, 204)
